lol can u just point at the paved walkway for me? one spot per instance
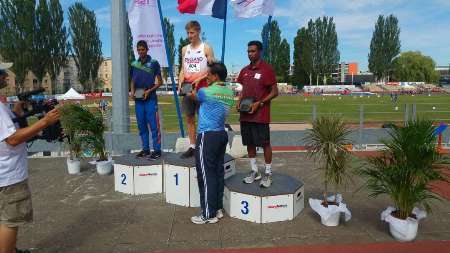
(83, 214)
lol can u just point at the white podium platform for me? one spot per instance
(284, 200)
(180, 179)
(138, 176)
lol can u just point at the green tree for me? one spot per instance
(59, 44)
(284, 62)
(325, 54)
(181, 44)
(384, 46)
(273, 44)
(86, 44)
(414, 67)
(277, 52)
(170, 43)
(41, 42)
(302, 58)
(17, 25)
(131, 56)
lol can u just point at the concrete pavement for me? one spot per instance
(82, 213)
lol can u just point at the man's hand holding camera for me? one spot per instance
(52, 117)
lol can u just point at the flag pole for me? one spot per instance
(224, 32)
(174, 89)
(266, 38)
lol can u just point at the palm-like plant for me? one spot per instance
(326, 143)
(84, 128)
(71, 118)
(406, 167)
(95, 139)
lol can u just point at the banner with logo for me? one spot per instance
(145, 24)
(253, 8)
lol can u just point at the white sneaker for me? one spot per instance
(266, 182)
(202, 220)
(219, 214)
(252, 177)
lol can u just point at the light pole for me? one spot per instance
(119, 56)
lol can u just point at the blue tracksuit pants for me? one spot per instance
(209, 160)
(147, 116)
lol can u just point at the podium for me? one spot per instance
(284, 200)
(138, 176)
(180, 179)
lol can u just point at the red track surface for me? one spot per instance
(414, 247)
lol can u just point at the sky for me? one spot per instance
(424, 25)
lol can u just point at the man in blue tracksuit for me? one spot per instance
(145, 80)
(215, 102)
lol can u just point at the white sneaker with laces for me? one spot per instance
(202, 220)
(266, 182)
(252, 177)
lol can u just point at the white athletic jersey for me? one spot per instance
(13, 160)
(195, 63)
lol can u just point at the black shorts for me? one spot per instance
(255, 134)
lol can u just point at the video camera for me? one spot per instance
(39, 107)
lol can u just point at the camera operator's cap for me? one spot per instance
(5, 65)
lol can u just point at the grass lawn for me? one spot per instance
(298, 109)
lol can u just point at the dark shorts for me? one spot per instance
(255, 134)
(15, 205)
(190, 106)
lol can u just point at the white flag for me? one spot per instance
(252, 8)
(145, 24)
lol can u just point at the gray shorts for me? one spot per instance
(15, 205)
(189, 106)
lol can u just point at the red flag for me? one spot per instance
(187, 6)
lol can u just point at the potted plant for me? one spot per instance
(403, 171)
(70, 121)
(327, 143)
(96, 141)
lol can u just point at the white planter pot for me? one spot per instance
(104, 167)
(73, 166)
(403, 230)
(332, 221)
(330, 215)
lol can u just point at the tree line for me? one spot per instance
(33, 36)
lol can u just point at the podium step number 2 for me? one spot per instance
(124, 179)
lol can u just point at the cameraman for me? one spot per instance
(15, 195)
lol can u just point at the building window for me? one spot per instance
(106, 75)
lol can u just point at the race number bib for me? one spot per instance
(194, 67)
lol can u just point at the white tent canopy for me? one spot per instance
(72, 94)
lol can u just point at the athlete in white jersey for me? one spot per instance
(196, 57)
(195, 63)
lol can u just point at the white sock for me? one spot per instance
(268, 168)
(253, 164)
(192, 146)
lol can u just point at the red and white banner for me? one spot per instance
(145, 24)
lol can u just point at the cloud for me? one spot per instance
(423, 27)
